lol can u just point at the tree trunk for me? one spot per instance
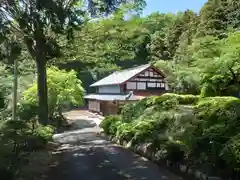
(15, 90)
(42, 83)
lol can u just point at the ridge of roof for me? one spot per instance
(132, 68)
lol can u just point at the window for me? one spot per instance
(146, 73)
(131, 85)
(141, 85)
(151, 74)
(162, 85)
(151, 85)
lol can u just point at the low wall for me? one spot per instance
(181, 169)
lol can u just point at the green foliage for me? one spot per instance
(17, 139)
(231, 154)
(125, 131)
(207, 132)
(109, 124)
(219, 125)
(212, 18)
(219, 110)
(44, 132)
(64, 88)
(183, 99)
(129, 110)
(135, 110)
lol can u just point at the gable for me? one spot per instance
(150, 73)
(148, 79)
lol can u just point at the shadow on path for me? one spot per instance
(85, 155)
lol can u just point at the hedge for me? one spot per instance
(209, 134)
(183, 99)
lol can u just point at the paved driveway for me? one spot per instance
(85, 155)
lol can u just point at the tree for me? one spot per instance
(218, 61)
(64, 89)
(233, 13)
(173, 33)
(40, 22)
(212, 19)
(158, 25)
(190, 23)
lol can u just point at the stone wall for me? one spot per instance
(182, 169)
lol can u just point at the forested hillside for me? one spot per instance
(198, 52)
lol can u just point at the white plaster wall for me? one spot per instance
(114, 89)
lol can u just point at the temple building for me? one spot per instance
(126, 86)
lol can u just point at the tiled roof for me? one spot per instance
(120, 77)
(107, 97)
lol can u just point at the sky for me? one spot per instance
(165, 6)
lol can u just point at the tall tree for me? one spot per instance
(212, 19)
(233, 13)
(190, 22)
(173, 32)
(40, 22)
(158, 25)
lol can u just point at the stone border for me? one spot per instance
(145, 151)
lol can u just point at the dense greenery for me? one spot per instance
(33, 36)
(204, 134)
(19, 138)
(199, 53)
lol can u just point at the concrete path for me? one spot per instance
(85, 155)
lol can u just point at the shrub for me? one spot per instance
(64, 88)
(183, 99)
(132, 111)
(231, 153)
(44, 132)
(27, 111)
(219, 123)
(143, 131)
(218, 109)
(125, 132)
(109, 125)
(162, 102)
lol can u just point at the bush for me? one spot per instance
(218, 110)
(219, 125)
(131, 111)
(143, 131)
(135, 110)
(44, 132)
(27, 111)
(125, 132)
(183, 99)
(231, 153)
(64, 88)
(207, 133)
(109, 124)
(162, 102)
